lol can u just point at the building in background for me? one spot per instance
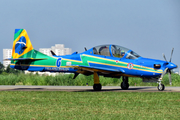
(7, 53)
(58, 49)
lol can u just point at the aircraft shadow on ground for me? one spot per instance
(28, 89)
(81, 90)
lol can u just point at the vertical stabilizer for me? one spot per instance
(21, 44)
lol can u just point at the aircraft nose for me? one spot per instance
(171, 65)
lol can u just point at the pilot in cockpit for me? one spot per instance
(122, 53)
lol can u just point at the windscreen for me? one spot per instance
(118, 51)
(132, 55)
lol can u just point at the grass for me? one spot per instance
(39, 105)
(81, 80)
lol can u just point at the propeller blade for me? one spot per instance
(171, 54)
(164, 57)
(169, 71)
(170, 80)
(164, 72)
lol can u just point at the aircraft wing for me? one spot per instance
(86, 70)
(97, 69)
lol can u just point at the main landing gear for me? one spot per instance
(125, 84)
(97, 86)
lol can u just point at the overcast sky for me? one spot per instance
(149, 27)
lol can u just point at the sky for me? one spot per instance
(148, 27)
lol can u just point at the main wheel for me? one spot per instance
(161, 87)
(124, 85)
(97, 87)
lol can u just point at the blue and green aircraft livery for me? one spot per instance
(106, 60)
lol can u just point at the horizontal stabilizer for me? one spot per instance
(24, 59)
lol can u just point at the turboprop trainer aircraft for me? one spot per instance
(104, 60)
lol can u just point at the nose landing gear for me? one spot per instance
(160, 87)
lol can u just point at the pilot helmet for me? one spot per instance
(122, 53)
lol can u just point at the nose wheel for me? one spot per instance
(161, 87)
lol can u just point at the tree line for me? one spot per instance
(4, 70)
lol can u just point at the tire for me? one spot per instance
(161, 87)
(97, 87)
(124, 85)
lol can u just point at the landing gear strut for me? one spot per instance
(125, 84)
(97, 86)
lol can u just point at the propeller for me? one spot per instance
(167, 70)
(171, 54)
(165, 57)
(170, 80)
(164, 72)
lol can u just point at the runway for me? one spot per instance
(85, 88)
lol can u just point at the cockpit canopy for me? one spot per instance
(115, 51)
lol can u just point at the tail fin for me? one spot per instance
(24, 55)
(22, 47)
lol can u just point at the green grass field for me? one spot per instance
(33, 105)
(81, 80)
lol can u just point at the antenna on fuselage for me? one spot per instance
(53, 53)
(85, 48)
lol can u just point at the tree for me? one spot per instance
(11, 70)
(1, 67)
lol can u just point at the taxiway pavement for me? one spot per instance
(85, 88)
